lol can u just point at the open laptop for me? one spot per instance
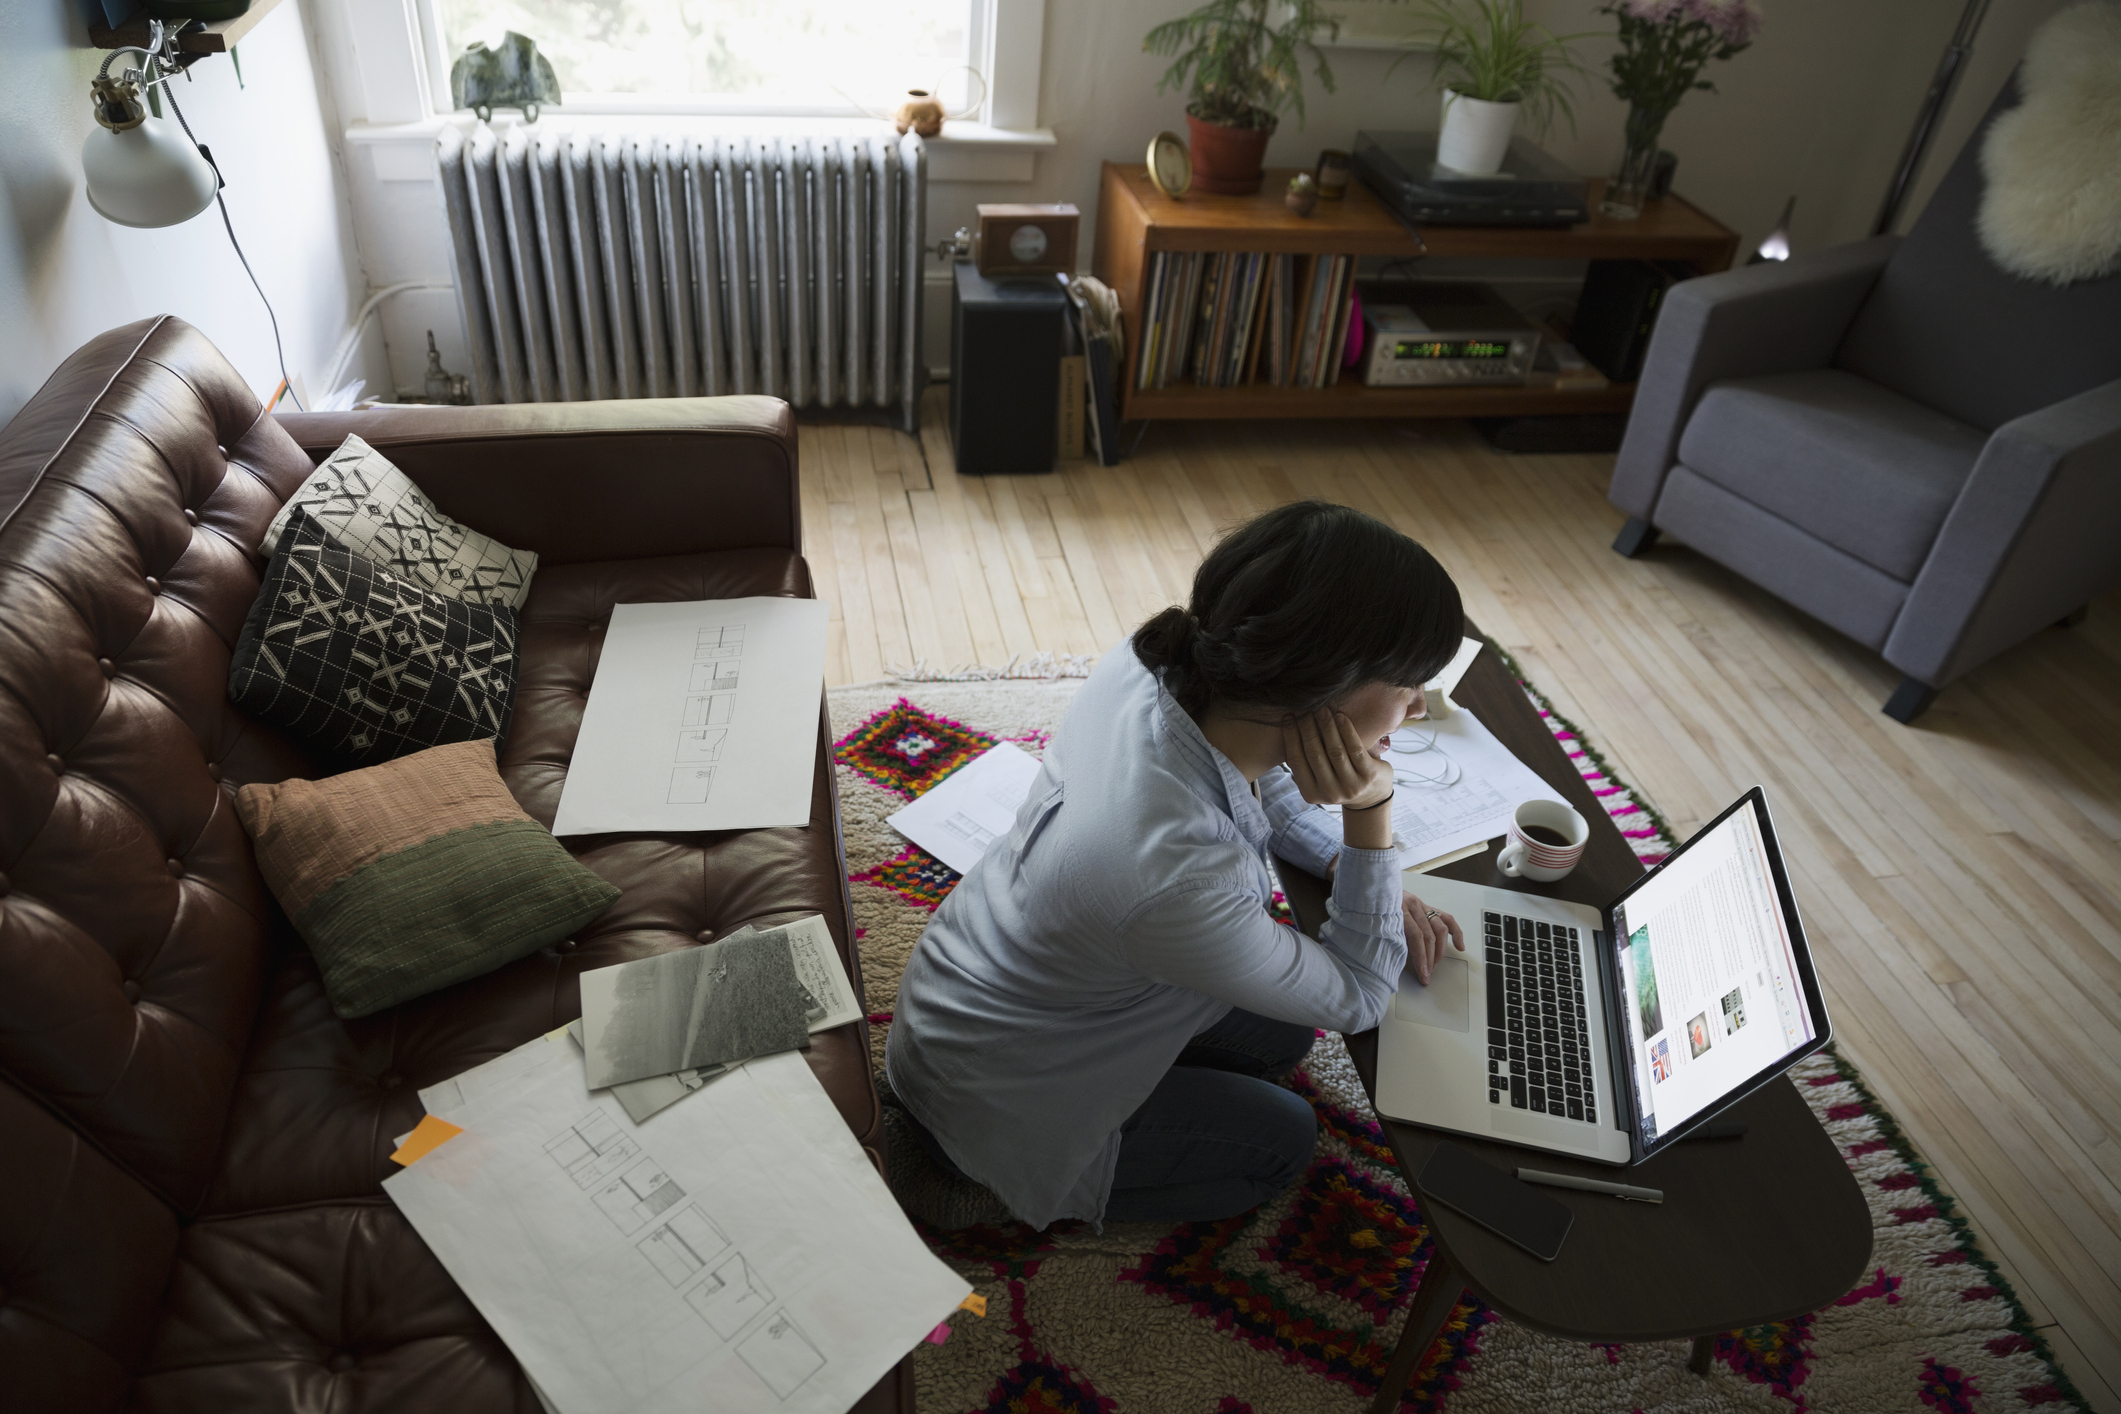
(1608, 1034)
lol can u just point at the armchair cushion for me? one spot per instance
(1866, 470)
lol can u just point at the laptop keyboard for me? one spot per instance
(1539, 1042)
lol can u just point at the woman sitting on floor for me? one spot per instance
(1096, 1022)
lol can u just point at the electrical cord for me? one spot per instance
(230, 227)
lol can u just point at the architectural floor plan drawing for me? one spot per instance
(781, 1355)
(713, 710)
(682, 1247)
(593, 1150)
(731, 1297)
(700, 1264)
(638, 1194)
(702, 716)
(705, 744)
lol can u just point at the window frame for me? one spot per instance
(1003, 43)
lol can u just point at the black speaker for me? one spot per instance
(1005, 353)
(1617, 311)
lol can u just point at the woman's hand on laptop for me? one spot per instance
(1427, 931)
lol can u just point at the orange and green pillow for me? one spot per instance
(415, 875)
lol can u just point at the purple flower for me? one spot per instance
(1735, 22)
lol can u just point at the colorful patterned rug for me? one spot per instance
(1294, 1308)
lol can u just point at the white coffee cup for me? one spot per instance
(1524, 857)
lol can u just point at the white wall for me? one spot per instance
(66, 274)
(1819, 108)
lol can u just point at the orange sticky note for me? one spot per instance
(976, 1304)
(428, 1135)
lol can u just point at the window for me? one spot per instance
(832, 57)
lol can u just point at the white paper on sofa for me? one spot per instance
(738, 1253)
(702, 716)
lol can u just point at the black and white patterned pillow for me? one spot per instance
(364, 663)
(374, 510)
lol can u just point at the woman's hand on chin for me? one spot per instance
(1332, 764)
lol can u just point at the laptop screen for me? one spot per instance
(1708, 969)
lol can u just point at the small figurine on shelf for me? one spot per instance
(1303, 194)
(512, 76)
(1332, 174)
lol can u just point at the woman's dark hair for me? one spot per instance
(1299, 608)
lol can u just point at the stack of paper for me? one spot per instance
(741, 1253)
(668, 1062)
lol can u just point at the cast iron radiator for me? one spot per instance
(633, 265)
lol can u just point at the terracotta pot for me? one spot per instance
(1226, 161)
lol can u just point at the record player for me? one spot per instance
(1532, 189)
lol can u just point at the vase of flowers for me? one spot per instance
(1664, 45)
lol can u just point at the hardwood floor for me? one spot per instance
(1961, 879)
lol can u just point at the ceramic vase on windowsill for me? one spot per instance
(1628, 190)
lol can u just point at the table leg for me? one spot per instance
(1704, 1350)
(1442, 1283)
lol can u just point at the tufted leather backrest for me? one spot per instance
(133, 922)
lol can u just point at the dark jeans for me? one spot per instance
(1217, 1136)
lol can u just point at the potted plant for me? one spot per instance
(1241, 63)
(1664, 45)
(1495, 65)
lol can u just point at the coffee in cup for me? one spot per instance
(1546, 839)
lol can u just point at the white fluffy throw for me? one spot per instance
(2052, 209)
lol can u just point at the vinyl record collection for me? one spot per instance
(1222, 319)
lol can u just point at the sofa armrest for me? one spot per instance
(2035, 534)
(1769, 318)
(594, 481)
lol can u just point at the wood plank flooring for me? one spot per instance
(1961, 879)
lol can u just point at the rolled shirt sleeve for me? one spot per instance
(1217, 940)
(1304, 834)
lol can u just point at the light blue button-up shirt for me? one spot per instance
(1124, 914)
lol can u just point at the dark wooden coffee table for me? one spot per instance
(1752, 1230)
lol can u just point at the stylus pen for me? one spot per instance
(1592, 1185)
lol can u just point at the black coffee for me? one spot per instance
(1542, 835)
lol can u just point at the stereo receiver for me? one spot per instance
(1438, 332)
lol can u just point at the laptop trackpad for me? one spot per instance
(1441, 1003)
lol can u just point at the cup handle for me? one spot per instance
(1510, 861)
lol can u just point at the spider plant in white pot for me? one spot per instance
(1494, 65)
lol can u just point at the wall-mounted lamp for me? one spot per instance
(140, 173)
(141, 170)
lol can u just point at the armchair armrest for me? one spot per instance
(1770, 318)
(594, 481)
(2035, 534)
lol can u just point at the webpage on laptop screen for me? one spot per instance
(1709, 978)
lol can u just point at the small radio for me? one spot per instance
(1432, 331)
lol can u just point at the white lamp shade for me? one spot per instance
(150, 175)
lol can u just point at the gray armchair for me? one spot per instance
(1895, 436)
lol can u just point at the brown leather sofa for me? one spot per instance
(190, 1210)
